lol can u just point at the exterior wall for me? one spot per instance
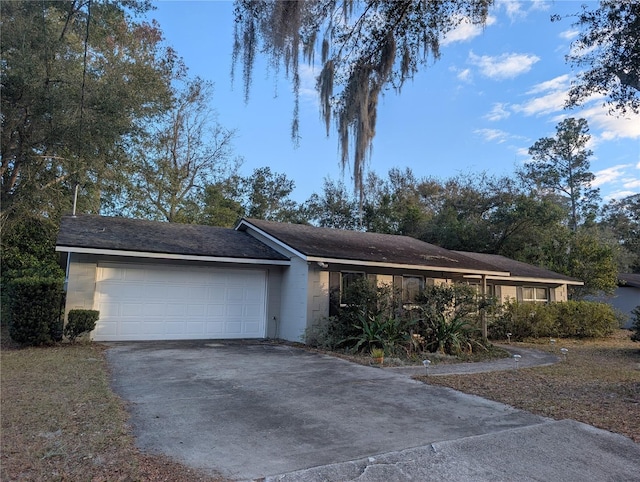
(294, 300)
(81, 282)
(507, 293)
(624, 299)
(384, 280)
(559, 293)
(318, 296)
(274, 295)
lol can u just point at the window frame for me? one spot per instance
(535, 298)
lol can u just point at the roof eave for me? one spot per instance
(379, 264)
(529, 279)
(174, 256)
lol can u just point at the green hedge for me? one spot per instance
(35, 310)
(569, 319)
(79, 322)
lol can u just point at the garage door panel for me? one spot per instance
(141, 302)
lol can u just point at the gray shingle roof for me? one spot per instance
(362, 246)
(518, 268)
(123, 234)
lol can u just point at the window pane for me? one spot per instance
(411, 287)
(541, 294)
(527, 293)
(347, 280)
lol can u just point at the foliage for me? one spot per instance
(80, 80)
(578, 319)
(79, 322)
(635, 327)
(623, 219)
(35, 309)
(443, 319)
(265, 195)
(608, 47)
(592, 259)
(28, 249)
(366, 46)
(186, 151)
(561, 166)
(448, 318)
(334, 208)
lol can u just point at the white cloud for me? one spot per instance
(498, 112)
(569, 34)
(611, 127)
(561, 82)
(632, 184)
(618, 195)
(308, 91)
(553, 99)
(638, 165)
(609, 175)
(505, 66)
(465, 31)
(464, 75)
(515, 10)
(490, 135)
(546, 104)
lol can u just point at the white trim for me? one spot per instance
(379, 264)
(527, 279)
(273, 239)
(185, 257)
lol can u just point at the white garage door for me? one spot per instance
(140, 302)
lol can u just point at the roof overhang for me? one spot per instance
(527, 279)
(379, 264)
(182, 257)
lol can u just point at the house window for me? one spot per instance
(347, 280)
(535, 295)
(412, 286)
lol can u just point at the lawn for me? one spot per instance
(60, 421)
(598, 384)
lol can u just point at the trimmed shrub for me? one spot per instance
(35, 310)
(585, 319)
(79, 322)
(569, 319)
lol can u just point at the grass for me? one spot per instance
(598, 384)
(61, 421)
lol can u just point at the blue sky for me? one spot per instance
(493, 93)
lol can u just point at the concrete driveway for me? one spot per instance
(257, 410)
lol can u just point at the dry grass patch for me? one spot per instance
(598, 384)
(61, 421)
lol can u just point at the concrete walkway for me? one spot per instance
(528, 358)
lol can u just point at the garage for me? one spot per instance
(159, 302)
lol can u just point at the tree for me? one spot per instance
(265, 195)
(561, 166)
(78, 80)
(334, 208)
(187, 151)
(365, 47)
(221, 205)
(622, 218)
(609, 47)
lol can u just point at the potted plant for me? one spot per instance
(378, 355)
